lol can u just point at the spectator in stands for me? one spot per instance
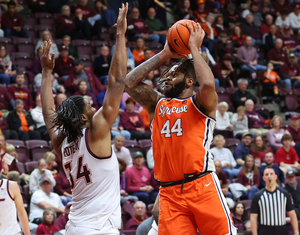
(256, 122)
(286, 156)
(210, 32)
(137, 27)
(37, 117)
(3, 165)
(37, 174)
(55, 6)
(123, 183)
(130, 57)
(150, 159)
(43, 198)
(139, 178)
(225, 157)
(269, 41)
(248, 55)
(18, 91)
(222, 117)
(243, 149)
(223, 179)
(37, 5)
(253, 11)
(156, 26)
(231, 17)
(94, 86)
(101, 95)
(62, 220)
(51, 164)
(249, 177)
(21, 121)
(83, 27)
(102, 62)
(138, 52)
(12, 22)
(137, 108)
(269, 162)
(224, 71)
(275, 134)
(103, 17)
(116, 129)
(290, 71)
(73, 54)
(121, 151)
(139, 216)
(13, 173)
(240, 122)
(219, 25)
(65, 24)
(281, 5)
(4, 129)
(64, 65)
(201, 13)
(289, 42)
(240, 96)
(82, 90)
(185, 11)
(239, 216)
(62, 187)
(266, 7)
(294, 18)
(277, 56)
(252, 30)
(266, 26)
(56, 88)
(86, 11)
(258, 150)
(7, 71)
(60, 98)
(46, 36)
(293, 129)
(238, 38)
(148, 53)
(6, 101)
(133, 122)
(47, 226)
(282, 20)
(294, 190)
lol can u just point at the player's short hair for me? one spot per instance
(49, 156)
(68, 118)
(9, 148)
(46, 211)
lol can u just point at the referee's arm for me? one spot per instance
(253, 222)
(294, 221)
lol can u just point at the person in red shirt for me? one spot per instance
(290, 71)
(137, 27)
(139, 216)
(265, 28)
(277, 55)
(47, 226)
(18, 91)
(201, 13)
(65, 24)
(223, 179)
(86, 11)
(258, 150)
(287, 156)
(64, 65)
(12, 22)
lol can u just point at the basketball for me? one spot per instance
(179, 35)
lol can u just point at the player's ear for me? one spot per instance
(190, 82)
(84, 117)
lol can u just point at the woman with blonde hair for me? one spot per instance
(225, 156)
(46, 36)
(275, 134)
(47, 226)
(50, 160)
(249, 177)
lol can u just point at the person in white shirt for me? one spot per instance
(121, 151)
(240, 122)
(37, 174)
(38, 118)
(283, 21)
(222, 117)
(42, 199)
(150, 160)
(224, 155)
(294, 18)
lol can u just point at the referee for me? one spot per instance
(269, 206)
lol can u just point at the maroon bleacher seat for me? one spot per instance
(26, 194)
(132, 146)
(291, 103)
(232, 142)
(31, 31)
(22, 59)
(58, 41)
(10, 47)
(231, 90)
(155, 45)
(145, 145)
(131, 45)
(43, 15)
(87, 60)
(83, 47)
(41, 28)
(30, 166)
(21, 167)
(247, 203)
(37, 148)
(296, 91)
(220, 90)
(21, 150)
(31, 21)
(285, 91)
(47, 21)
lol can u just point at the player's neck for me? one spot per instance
(185, 93)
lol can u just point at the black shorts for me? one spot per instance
(273, 230)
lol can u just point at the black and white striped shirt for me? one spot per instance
(271, 207)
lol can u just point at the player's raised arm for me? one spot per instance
(206, 97)
(141, 92)
(116, 77)
(48, 107)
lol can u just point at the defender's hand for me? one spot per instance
(122, 21)
(47, 61)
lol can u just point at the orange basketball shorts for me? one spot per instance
(200, 205)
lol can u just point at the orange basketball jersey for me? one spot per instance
(181, 138)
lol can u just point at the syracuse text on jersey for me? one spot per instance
(166, 110)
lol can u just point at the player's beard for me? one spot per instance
(176, 90)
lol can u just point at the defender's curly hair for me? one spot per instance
(68, 118)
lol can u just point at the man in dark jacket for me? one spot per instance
(21, 121)
(64, 65)
(240, 96)
(294, 190)
(4, 128)
(102, 62)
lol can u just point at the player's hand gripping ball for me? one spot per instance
(179, 35)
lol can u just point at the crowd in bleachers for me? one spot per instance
(246, 43)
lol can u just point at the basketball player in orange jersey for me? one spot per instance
(81, 137)
(182, 130)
